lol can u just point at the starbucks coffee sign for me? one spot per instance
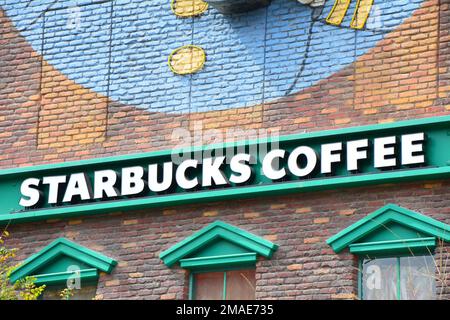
(387, 153)
(303, 162)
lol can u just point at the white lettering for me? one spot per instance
(104, 182)
(33, 194)
(311, 161)
(167, 177)
(384, 147)
(211, 172)
(181, 178)
(78, 185)
(271, 165)
(53, 187)
(411, 145)
(329, 156)
(240, 164)
(356, 150)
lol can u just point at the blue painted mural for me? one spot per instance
(120, 48)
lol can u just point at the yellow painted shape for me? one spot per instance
(337, 13)
(361, 14)
(188, 8)
(187, 59)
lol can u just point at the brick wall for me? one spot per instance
(304, 266)
(47, 116)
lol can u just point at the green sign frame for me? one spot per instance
(436, 150)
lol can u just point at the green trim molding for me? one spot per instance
(53, 264)
(223, 261)
(86, 276)
(391, 230)
(436, 166)
(394, 246)
(219, 245)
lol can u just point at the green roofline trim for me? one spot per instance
(218, 230)
(383, 216)
(440, 121)
(58, 248)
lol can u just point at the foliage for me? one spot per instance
(66, 294)
(23, 289)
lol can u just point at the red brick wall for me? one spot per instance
(304, 266)
(45, 118)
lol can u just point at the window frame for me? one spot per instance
(192, 273)
(366, 238)
(391, 249)
(382, 255)
(218, 247)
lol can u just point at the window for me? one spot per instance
(395, 247)
(400, 278)
(226, 285)
(221, 260)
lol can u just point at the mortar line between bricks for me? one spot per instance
(41, 15)
(438, 53)
(41, 75)
(307, 50)
(191, 75)
(108, 83)
(355, 68)
(81, 5)
(263, 104)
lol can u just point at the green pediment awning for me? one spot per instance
(391, 229)
(61, 260)
(218, 245)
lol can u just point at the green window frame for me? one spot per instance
(218, 247)
(390, 232)
(192, 284)
(398, 272)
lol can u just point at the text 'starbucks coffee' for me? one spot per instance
(303, 162)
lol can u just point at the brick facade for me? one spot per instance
(304, 266)
(45, 117)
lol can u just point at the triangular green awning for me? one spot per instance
(52, 264)
(218, 245)
(389, 228)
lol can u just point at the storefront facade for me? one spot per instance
(260, 150)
